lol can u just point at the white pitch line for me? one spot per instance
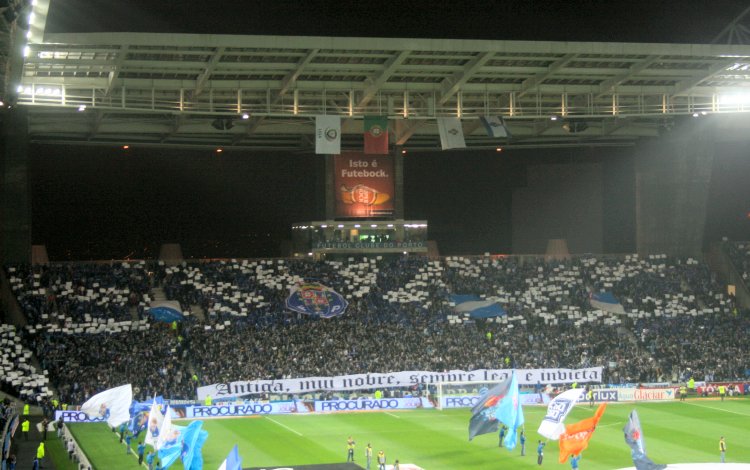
(391, 414)
(718, 409)
(284, 426)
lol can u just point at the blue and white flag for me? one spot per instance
(477, 307)
(155, 423)
(113, 405)
(233, 460)
(634, 438)
(553, 424)
(139, 411)
(495, 126)
(328, 135)
(166, 311)
(451, 133)
(607, 302)
(510, 413)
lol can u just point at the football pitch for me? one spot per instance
(674, 432)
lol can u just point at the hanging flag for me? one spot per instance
(553, 423)
(483, 414)
(495, 126)
(113, 405)
(328, 135)
(451, 133)
(155, 421)
(634, 438)
(376, 134)
(233, 460)
(576, 437)
(510, 413)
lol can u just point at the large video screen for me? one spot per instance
(364, 185)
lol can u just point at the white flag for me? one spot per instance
(495, 126)
(155, 420)
(112, 405)
(451, 133)
(328, 134)
(552, 425)
(165, 430)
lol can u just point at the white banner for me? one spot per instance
(397, 379)
(328, 135)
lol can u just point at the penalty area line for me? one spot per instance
(717, 409)
(284, 426)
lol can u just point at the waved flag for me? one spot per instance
(169, 442)
(510, 413)
(233, 460)
(553, 424)
(155, 422)
(113, 405)
(577, 435)
(483, 414)
(477, 307)
(607, 302)
(634, 438)
(451, 133)
(313, 298)
(166, 311)
(193, 438)
(495, 126)
(139, 411)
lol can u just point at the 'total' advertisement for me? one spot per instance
(364, 185)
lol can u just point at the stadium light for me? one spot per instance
(245, 116)
(734, 99)
(82, 107)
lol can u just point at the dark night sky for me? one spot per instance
(554, 20)
(99, 202)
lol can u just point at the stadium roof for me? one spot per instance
(192, 90)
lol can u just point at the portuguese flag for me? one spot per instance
(376, 134)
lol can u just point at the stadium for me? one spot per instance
(292, 236)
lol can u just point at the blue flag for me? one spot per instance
(483, 414)
(233, 460)
(185, 443)
(193, 438)
(510, 413)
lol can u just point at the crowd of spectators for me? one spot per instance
(673, 319)
(739, 252)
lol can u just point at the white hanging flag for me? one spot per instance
(328, 134)
(553, 423)
(113, 405)
(495, 126)
(155, 420)
(451, 133)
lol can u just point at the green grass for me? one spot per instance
(674, 432)
(57, 453)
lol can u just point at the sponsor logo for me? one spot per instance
(231, 410)
(76, 417)
(357, 405)
(331, 134)
(605, 395)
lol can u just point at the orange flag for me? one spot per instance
(577, 435)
